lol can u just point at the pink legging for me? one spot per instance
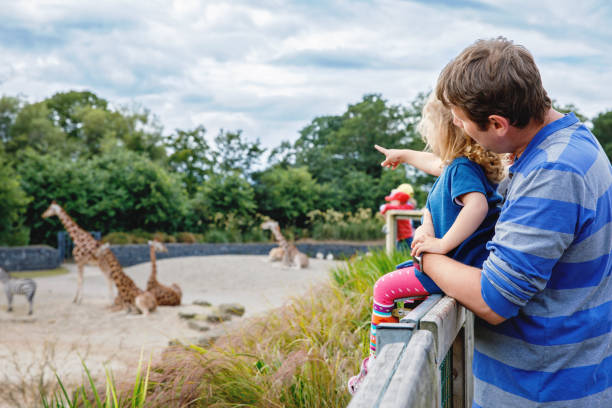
(398, 284)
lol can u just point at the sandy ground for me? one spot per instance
(60, 333)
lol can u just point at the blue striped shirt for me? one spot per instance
(548, 273)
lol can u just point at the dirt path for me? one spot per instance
(60, 333)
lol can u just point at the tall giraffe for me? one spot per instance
(164, 295)
(291, 255)
(129, 295)
(85, 246)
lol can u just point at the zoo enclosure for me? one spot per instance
(426, 359)
(65, 244)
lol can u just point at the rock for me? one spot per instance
(232, 308)
(175, 342)
(320, 255)
(217, 316)
(187, 315)
(197, 325)
(330, 257)
(200, 302)
(206, 341)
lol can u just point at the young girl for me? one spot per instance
(463, 204)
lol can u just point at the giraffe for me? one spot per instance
(85, 246)
(291, 255)
(164, 295)
(276, 254)
(129, 295)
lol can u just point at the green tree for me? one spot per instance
(137, 193)
(332, 146)
(339, 151)
(9, 108)
(286, 195)
(191, 156)
(33, 129)
(93, 126)
(233, 153)
(78, 124)
(13, 204)
(223, 194)
(602, 129)
(116, 191)
(102, 130)
(65, 109)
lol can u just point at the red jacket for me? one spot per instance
(404, 227)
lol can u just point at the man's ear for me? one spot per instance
(499, 124)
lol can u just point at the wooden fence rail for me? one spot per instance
(424, 361)
(410, 374)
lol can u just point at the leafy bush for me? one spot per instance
(118, 238)
(286, 195)
(221, 197)
(118, 191)
(217, 236)
(330, 224)
(186, 237)
(13, 204)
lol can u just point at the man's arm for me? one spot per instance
(461, 282)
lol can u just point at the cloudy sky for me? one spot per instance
(269, 67)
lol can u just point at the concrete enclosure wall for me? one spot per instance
(29, 258)
(134, 254)
(45, 257)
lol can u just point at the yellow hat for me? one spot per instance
(406, 188)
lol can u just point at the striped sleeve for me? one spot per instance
(536, 226)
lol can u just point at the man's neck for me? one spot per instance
(527, 133)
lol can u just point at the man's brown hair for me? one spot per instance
(494, 77)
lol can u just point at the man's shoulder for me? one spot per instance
(572, 149)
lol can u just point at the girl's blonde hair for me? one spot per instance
(452, 142)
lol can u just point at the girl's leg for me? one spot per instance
(394, 285)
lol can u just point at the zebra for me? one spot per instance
(26, 287)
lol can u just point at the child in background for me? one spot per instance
(401, 199)
(460, 216)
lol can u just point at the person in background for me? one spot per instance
(401, 199)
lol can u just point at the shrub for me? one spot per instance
(216, 236)
(117, 238)
(13, 204)
(360, 226)
(186, 237)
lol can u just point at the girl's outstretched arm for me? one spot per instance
(473, 213)
(424, 161)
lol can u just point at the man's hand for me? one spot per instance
(393, 157)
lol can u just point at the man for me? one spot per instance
(544, 295)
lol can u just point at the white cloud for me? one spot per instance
(269, 67)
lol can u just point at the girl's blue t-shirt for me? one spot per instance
(460, 177)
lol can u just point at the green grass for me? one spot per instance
(300, 355)
(90, 397)
(43, 273)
